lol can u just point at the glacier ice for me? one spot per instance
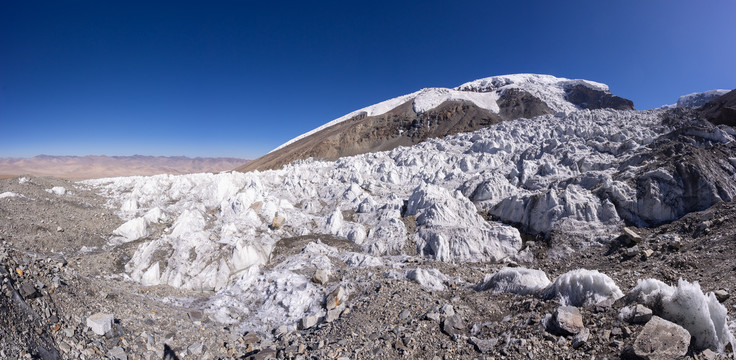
(463, 198)
(686, 305)
(519, 280)
(582, 287)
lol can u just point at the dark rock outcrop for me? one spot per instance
(721, 111)
(589, 98)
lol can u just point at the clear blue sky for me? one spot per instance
(237, 78)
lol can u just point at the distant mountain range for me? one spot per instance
(89, 167)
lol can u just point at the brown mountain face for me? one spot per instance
(721, 111)
(399, 127)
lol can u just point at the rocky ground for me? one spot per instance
(59, 281)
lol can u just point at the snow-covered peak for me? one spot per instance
(482, 92)
(527, 82)
(699, 99)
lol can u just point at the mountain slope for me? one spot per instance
(438, 112)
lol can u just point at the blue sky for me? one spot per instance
(238, 78)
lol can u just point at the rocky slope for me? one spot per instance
(438, 112)
(584, 233)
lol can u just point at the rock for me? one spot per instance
(28, 291)
(307, 322)
(581, 338)
(483, 345)
(404, 314)
(566, 320)
(452, 324)
(632, 251)
(434, 316)
(708, 354)
(196, 348)
(117, 353)
(195, 315)
(641, 314)
(632, 236)
(335, 298)
(59, 229)
(100, 323)
(281, 330)
(661, 339)
(676, 243)
(721, 295)
(333, 314)
(320, 277)
(448, 310)
(638, 314)
(278, 222)
(647, 253)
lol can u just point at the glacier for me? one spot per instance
(465, 198)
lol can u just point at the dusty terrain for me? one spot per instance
(90, 167)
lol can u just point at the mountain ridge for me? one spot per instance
(408, 119)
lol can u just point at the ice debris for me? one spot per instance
(686, 305)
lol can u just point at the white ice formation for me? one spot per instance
(520, 281)
(554, 173)
(699, 99)
(579, 287)
(686, 305)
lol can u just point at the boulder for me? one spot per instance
(320, 277)
(661, 339)
(307, 322)
(100, 323)
(335, 298)
(566, 320)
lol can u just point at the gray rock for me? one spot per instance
(281, 330)
(661, 339)
(278, 222)
(434, 316)
(448, 310)
(195, 315)
(721, 295)
(483, 345)
(641, 314)
(647, 253)
(632, 236)
(566, 320)
(320, 277)
(117, 353)
(632, 251)
(333, 314)
(28, 291)
(404, 314)
(196, 348)
(335, 298)
(307, 322)
(581, 338)
(100, 323)
(452, 325)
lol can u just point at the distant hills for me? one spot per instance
(93, 166)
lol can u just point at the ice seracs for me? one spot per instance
(686, 305)
(463, 198)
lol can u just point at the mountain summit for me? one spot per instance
(438, 112)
